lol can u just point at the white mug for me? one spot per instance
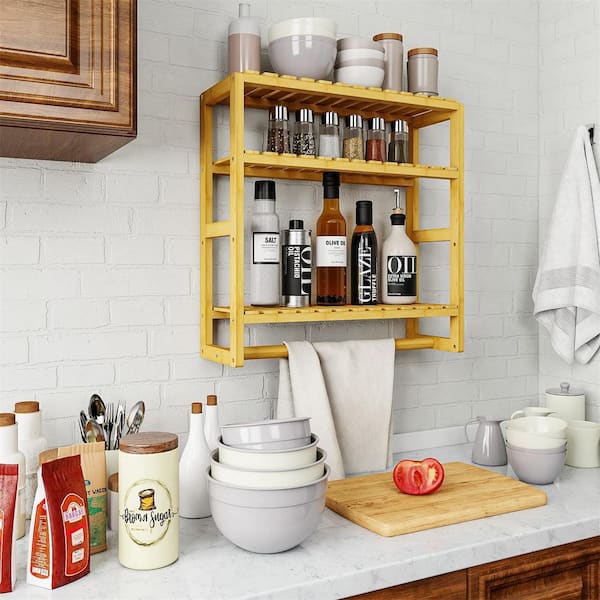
(583, 444)
(532, 411)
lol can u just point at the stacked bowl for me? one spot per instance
(267, 484)
(304, 47)
(536, 447)
(359, 61)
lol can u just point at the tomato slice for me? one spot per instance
(418, 477)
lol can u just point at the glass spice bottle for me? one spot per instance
(329, 135)
(354, 143)
(376, 149)
(398, 146)
(278, 134)
(304, 137)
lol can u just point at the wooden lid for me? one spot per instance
(113, 482)
(7, 419)
(148, 442)
(387, 36)
(211, 400)
(422, 51)
(27, 406)
(196, 408)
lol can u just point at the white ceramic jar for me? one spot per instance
(566, 403)
(148, 500)
(10, 455)
(422, 71)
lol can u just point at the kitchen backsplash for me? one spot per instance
(99, 263)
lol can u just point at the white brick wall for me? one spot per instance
(99, 263)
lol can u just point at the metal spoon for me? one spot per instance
(93, 432)
(97, 408)
(135, 417)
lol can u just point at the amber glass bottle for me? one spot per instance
(331, 246)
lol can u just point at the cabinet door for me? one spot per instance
(568, 572)
(65, 65)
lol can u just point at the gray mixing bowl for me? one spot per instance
(267, 521)
(303, 55)
(269, 435)
(535, 467)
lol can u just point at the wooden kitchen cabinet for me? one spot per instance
(567, 572)
(67, 78)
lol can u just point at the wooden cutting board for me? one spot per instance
(468, 493)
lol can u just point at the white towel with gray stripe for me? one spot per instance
(566, 293)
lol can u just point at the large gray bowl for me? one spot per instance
(303, 55)
(535, 467)
(269, 435)
(267, 521)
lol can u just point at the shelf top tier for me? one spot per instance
(267, 89)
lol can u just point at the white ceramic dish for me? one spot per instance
(303, 26)
(274, 479)
(261, 460)
(549, 426)
(526, 439)
(360, 54)
(354, 42)
(271, 434)
(367, 76)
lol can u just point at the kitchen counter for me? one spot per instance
(341, 559)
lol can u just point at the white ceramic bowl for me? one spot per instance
(526, 439)
(305, 55)
(303, 26)
(357, 42)
(274, 479)
(272, 434)
(359, 54)
(261, 460)
(548, 426)
(367, 76)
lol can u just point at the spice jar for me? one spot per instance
(422, 71)
(392, 60)
(398, 146)
(278, 134)
(304, 137)
(354, 143)
(148, 500)
(376, 147)
(329, 135)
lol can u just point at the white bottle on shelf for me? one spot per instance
(31, 442)
(398, 262)
(212, 431)
(195, 459)
(10, 455)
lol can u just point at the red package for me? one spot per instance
(9, 477)
(59, 543)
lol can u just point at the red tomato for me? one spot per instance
(418, 477)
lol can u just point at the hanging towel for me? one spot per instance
(346, 388)
(566, 293)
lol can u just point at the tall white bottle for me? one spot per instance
(212, 431)
(31, 442)
(10, 455)
(399, 262)
(195, 459)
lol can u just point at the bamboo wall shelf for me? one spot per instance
(254, 90)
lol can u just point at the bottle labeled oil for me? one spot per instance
(330, 245)
(363, 253)
(296, 265)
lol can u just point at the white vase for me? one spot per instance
(195, 459)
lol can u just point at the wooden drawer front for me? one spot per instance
(568, 572)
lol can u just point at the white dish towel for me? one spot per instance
(346, 388)
(566, 293)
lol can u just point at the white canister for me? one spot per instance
(10, 455)
(148, 500)
(567, 404)
(113, 502)
(583, 444)
(422, 71)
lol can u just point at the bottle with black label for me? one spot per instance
(296, 265)
(331, 246)
(264, 269)
(399, 262)
(363, 256)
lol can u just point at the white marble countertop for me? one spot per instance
(340, 559)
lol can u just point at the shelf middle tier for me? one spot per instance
(290, 166)
(347, 312)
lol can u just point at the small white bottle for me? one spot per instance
(399, 262)
(264, 268)
(212, 431)
(10, 455)
(195, 459)
(243, 42)
(31, 442)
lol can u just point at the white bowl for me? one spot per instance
(367, 76)
(274, 479)
(526, 439)
(354, 42)
(261, 460)
(303, 26)
(548, 426)
(359, 54)
(272, 434)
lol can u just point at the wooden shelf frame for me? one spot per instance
(254, 90)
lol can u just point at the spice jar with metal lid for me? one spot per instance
(376, 146)
(329, 135)
(392, 60)
(398, 146)
(278, 133)
(304, 136)
(422, 71)
(354, 142)
(148, 500)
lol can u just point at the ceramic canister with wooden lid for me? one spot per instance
(422, 71)
(148, 500)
